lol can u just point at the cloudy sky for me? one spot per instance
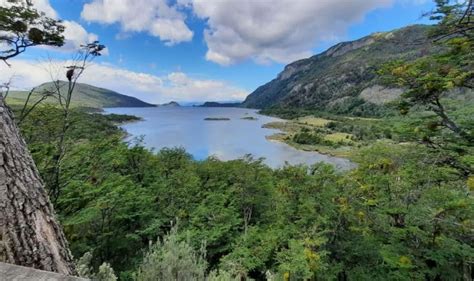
(198, 50)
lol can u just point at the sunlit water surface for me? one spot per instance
(227, 140)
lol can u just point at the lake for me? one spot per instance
(227, 140)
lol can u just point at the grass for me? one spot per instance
(339, 137)
(313, 121)
(342, 151)
(341, 144)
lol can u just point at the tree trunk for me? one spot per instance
(30, 235)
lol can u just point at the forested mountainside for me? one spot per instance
(344, 78)
(84, 95)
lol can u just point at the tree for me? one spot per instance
(172, 260)
(456, 18)
(22, 26)
(81, 60)
(428, 78)
(29, 232)
(105, 273)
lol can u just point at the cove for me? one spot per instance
(226, 133)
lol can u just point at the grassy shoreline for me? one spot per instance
(289, 128)
(338, 136)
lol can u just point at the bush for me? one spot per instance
(172, 260)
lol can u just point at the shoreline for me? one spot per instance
(287, 129)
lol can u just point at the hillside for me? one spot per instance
(343, 79)
(84, 95)
(170, 104)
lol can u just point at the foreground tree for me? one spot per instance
(29, 232)
(22, 26)
(62, 92)
(430, 81)
(427, 79)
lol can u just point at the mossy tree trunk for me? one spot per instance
(30, 234)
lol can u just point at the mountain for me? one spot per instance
(170, 104)
(84, 95)
(344, 78)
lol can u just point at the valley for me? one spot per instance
(346, 162)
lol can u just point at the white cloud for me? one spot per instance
(176, 86)
(280, 31)
(45, 7)
(153, 16)
(74, 33)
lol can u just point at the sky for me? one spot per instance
(201, 50)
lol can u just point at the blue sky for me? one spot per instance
(197, 50)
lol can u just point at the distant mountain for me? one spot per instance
(219, 104)
(343, 79)
(84, 95)
(170, 104)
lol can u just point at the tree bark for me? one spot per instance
(30, 234)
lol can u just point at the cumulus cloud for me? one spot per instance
(74, 33)
(156, 17)
(176, 86)
(45, 7)
(280, 31)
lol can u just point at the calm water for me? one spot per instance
(227, 140)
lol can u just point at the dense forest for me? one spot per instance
(406, 212)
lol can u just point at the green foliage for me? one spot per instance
(23, 26)
(401, 214)
(172, 260)
(428, 79)
(300, 261)
(221, 275)
(404, 213)
(306, 137)
(104, 273)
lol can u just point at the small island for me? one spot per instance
(216, 119)
(220, 104)
(249, 118)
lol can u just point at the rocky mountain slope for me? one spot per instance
(344, 78)
(84, 95)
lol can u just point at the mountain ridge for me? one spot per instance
(335, 79)
(84, 95)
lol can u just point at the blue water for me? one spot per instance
(227, 140)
